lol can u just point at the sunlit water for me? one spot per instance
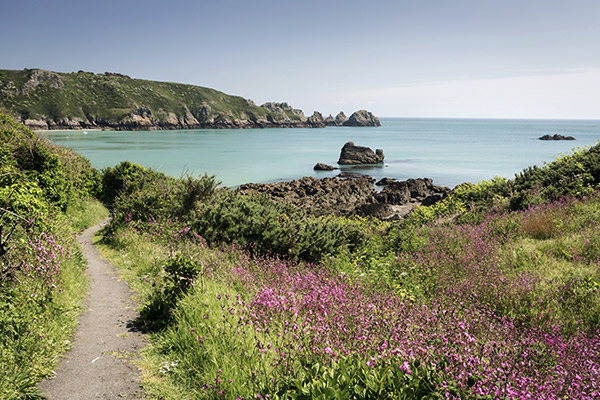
(450, 151)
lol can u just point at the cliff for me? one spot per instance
(83, 100)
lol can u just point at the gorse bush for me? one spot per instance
(568, 176)
(573, 175)
(265, 226)
(135, 192)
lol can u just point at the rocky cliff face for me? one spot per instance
(142, 118)
(351, 196)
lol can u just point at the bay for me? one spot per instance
(450, 151)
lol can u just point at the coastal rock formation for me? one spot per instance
(323, 167)
(385, 181)
(352, 195)
(362, 118)
(84, 100)
(283, 110)
(419, 190)
(341, 118)
(318, 196)
(556, 137)
(338, 121)
(358, 155)
(316, 120)
(329, 121)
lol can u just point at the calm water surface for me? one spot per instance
(450, 151)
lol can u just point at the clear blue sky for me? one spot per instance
(418, 58)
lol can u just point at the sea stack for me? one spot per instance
(362, 118)
(359, 155)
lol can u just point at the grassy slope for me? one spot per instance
(114, 97)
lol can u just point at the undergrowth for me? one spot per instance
(45, 198)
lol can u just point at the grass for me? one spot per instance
(84, 213)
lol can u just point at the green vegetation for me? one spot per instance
(45, 195)
(490, 293)
(113, 99)
(493, 292)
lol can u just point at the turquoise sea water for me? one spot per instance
(450, 151)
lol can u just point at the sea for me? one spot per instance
(449, 151)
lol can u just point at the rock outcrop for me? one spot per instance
(354, 195)
(420, 190)
(338, 121)
(316, 120)
(329, 121)
(318, 196)
(359, 155)
(362, 118)
(323, 167)
(556, 137)
(385, 181)
(341, 118)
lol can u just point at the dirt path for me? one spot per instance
(99, 366)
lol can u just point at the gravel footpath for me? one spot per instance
(100, 364)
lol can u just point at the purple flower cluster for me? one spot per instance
(42, 262)
(323, 316)
(481, 323)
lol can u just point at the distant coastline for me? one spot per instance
(46, 100)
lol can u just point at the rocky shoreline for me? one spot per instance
(142, 119)
(344, 196)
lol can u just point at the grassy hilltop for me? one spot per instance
(52, 100)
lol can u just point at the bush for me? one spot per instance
(264, 226)
(568, 176)
(141, 194)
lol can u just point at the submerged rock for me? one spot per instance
(358, 155)
(323, 167)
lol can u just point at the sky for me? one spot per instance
(396, 58)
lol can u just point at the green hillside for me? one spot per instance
(51, 100)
